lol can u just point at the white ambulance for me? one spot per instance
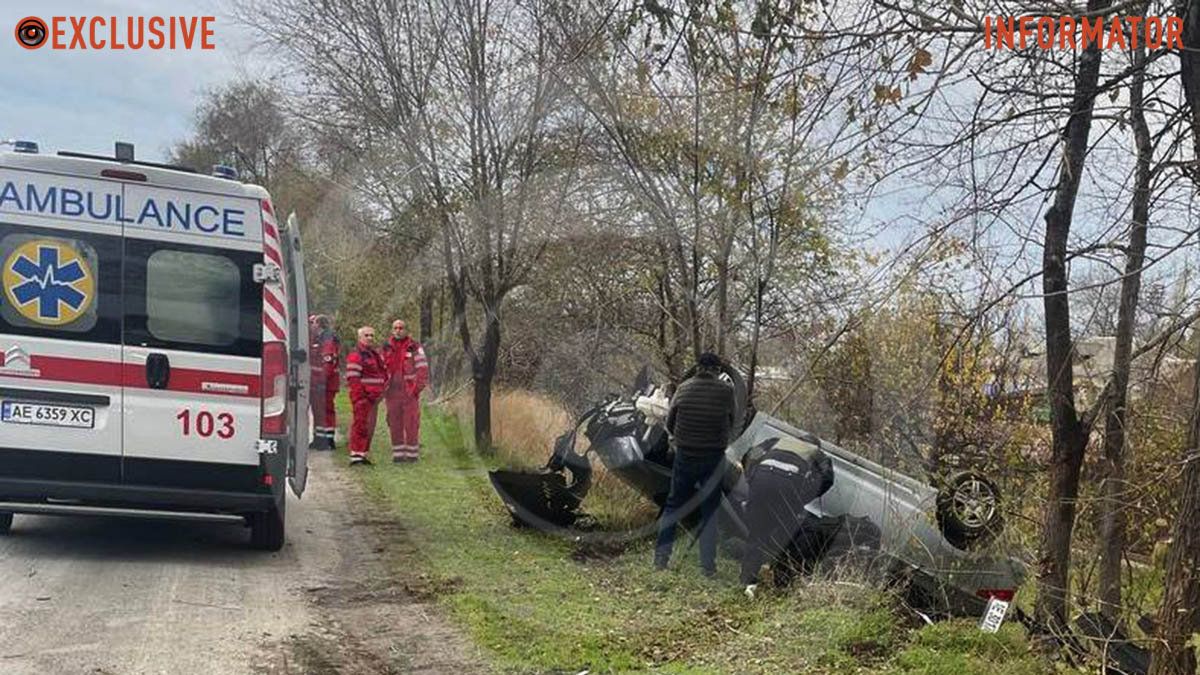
(152, 343)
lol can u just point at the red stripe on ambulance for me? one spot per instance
(110, 374)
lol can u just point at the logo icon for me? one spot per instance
(31, 32)
(16, 363)
(49, 282)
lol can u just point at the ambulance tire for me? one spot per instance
(5, 523)
(266, 530)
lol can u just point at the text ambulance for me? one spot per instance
(152, 336)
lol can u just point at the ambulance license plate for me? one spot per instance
(16, 412)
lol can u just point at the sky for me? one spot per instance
(86, 100)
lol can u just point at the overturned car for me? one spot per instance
(937, 540)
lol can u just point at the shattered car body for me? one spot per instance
(936, 540)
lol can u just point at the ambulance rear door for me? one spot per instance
(193, 339)
(300, 374)
(60, 327)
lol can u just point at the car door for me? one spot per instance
(192, 350)
(60, 330)
(301, 374)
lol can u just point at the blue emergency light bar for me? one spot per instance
(223, 171)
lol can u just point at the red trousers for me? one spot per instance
(324, 415)
(404, 421)
(366, 412)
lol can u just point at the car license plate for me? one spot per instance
(993, 616)
(44, 414)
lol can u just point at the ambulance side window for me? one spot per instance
(192, 298)
(60, 284)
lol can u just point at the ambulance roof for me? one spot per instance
(157, 175)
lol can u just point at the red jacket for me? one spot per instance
(406, 364)
(324, 357)
(366, 373)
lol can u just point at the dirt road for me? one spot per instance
(108, 596)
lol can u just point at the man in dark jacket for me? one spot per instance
(700, 422)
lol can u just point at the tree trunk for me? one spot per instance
(483, 414)
(669, 349)
(484, 372)
(1112, 489)
(722, 305)
(694, 282)
(1189, 61)
(1179, 616)
(428, 295)
(673, 358)
(693, 303)
(1069, 435)
(760, 288)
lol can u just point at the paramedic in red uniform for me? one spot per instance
(366, 373)
(408, 372)
(324, 357)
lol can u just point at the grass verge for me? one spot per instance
(535, 605)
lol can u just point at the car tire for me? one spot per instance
(6, 521)
(968, 509)
(267, 530)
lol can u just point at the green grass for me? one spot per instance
(959, 648)
(532, 607)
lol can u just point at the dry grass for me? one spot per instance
(524, 426)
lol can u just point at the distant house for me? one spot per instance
(1094, 358)
(772, 374)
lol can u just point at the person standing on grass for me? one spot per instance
(324, 355)
(408, 371)
(700, 421)
(366, 373)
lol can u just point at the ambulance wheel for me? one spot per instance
(6, 523)
(266, 530)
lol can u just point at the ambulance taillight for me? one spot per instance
(274, 388)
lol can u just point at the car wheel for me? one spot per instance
(969, 509)
(267, 529)
(6, 520)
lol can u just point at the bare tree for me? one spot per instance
(707, 117)
(456, 107)
(1113, 487)
(244, 125)
(1175, 651)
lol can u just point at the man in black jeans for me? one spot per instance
(700, 421)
